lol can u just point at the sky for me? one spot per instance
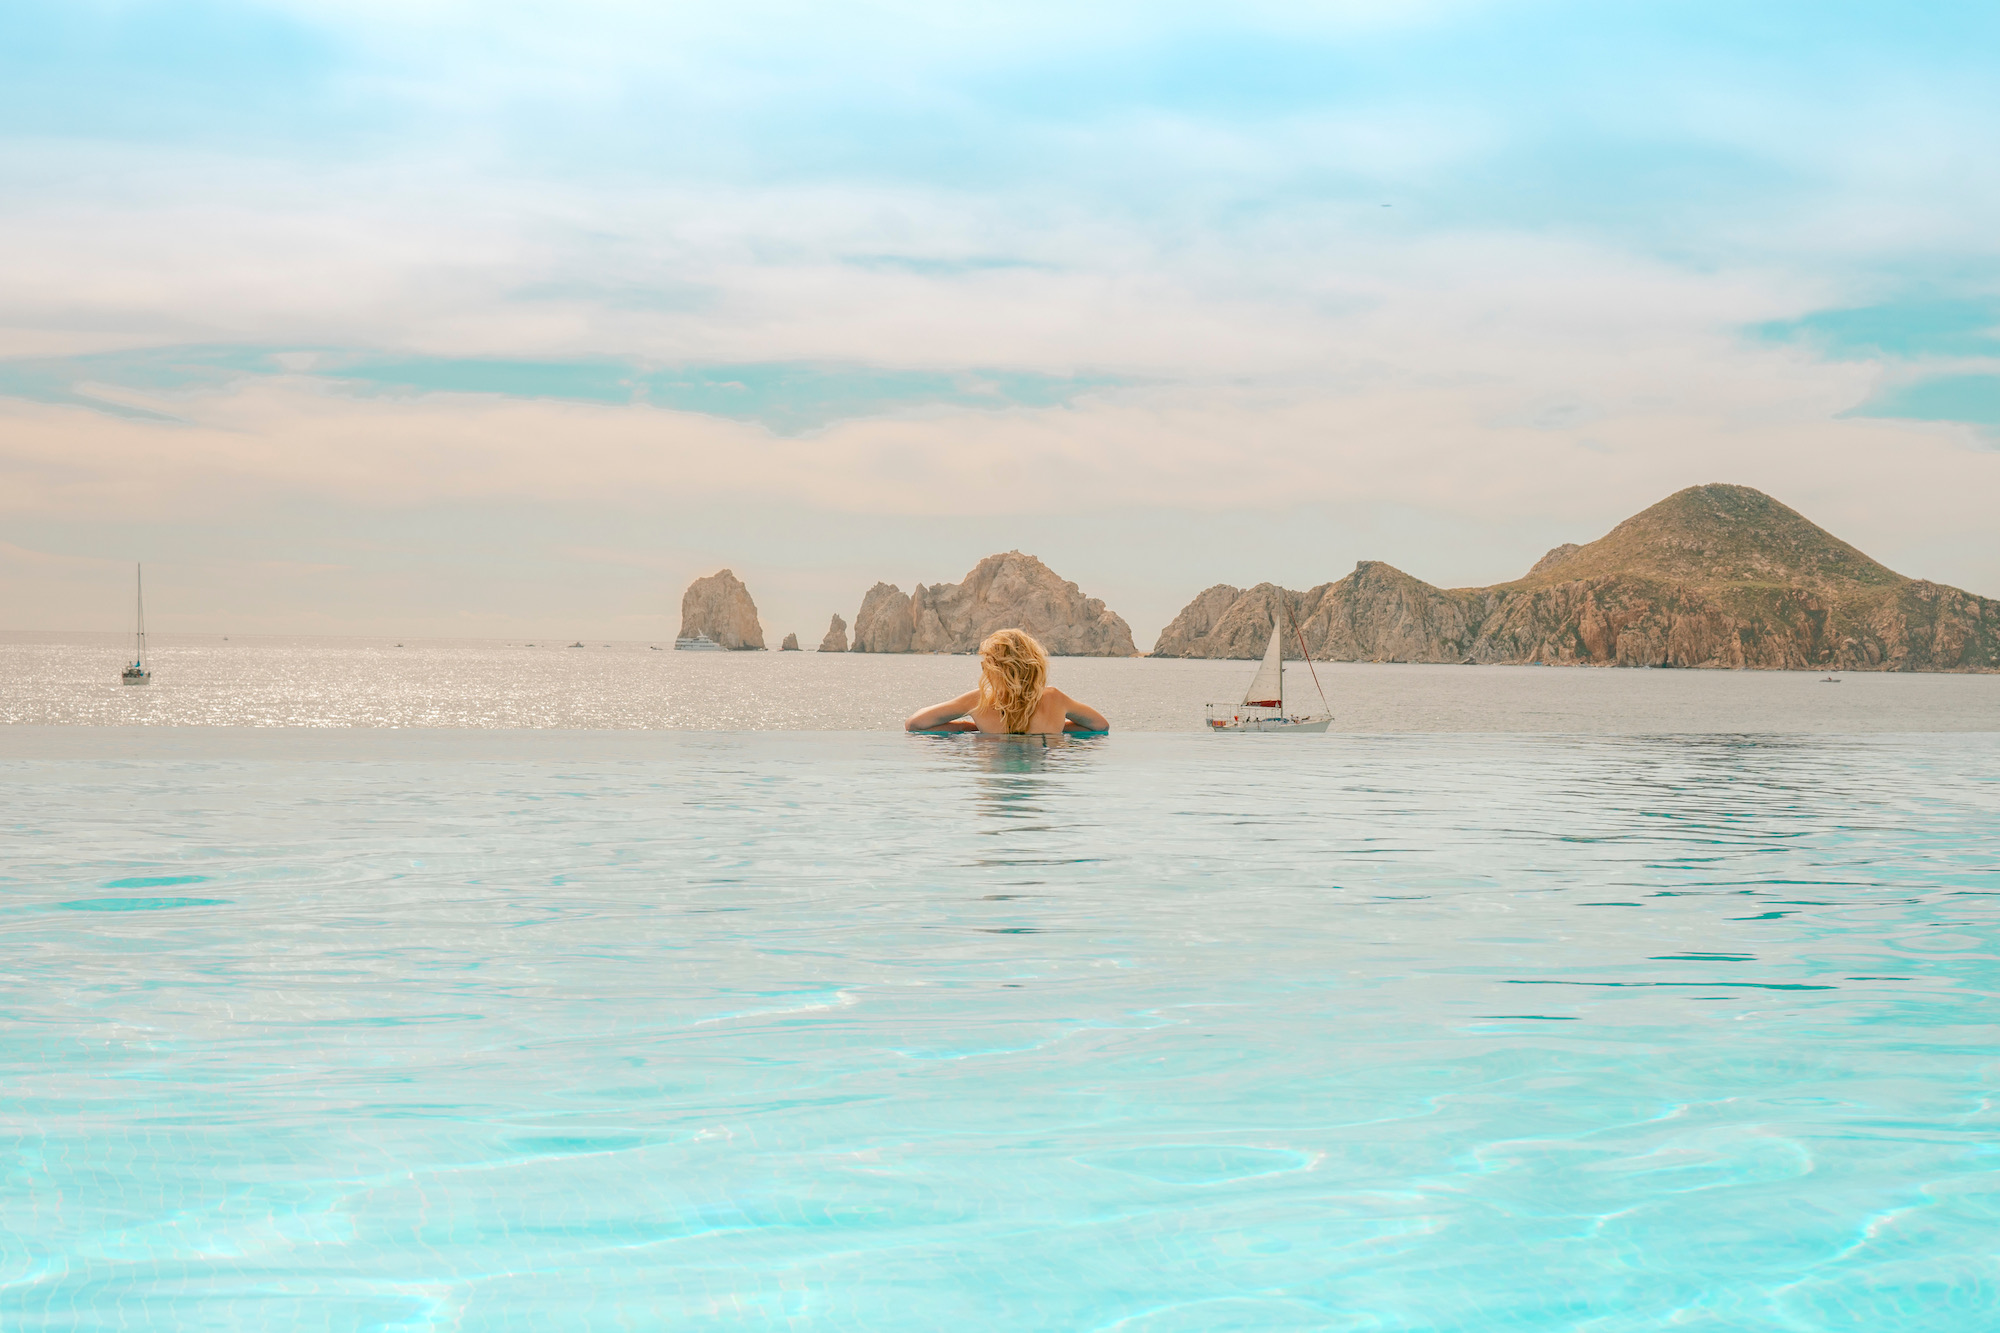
(509, 319)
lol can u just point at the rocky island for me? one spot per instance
(720, 607)
(836, 637)
(1004, 590)
(1712, 576)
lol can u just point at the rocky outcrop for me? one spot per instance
(1376, 614)
(790, 645)
(1380, 614)
(1714, 576)
(1002, 591)
(1555, 557)
(883, 624)
(1198, 630)
(720, 607)
(836, 637)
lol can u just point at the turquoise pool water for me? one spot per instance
(877, 1032)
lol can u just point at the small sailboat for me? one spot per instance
(139, 673)
(1263, 706)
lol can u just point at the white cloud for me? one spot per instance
(1291, 342)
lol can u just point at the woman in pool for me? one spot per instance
(1014, 695)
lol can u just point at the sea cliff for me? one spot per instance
(1712, 576)
(720, 607)
(1001, 591)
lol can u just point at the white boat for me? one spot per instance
(1263, 706)
(139, 673)
(699, 643)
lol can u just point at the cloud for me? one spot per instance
(1022, 262)
(787, 398)
(1633, 414)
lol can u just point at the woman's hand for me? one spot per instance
(940, 717)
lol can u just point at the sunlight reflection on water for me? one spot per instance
(303, 682)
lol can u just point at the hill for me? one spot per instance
(1712, 576)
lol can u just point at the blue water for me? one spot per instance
(878, 1032)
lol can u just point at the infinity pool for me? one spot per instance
(879, 1032)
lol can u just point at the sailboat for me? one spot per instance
(1263, 706)
(138, 673)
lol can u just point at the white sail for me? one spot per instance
(1267, 687)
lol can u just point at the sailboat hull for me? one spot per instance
(1271, 725)
(1263, 706)
(137, 677)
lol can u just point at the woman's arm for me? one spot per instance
(938, 717)
(1082, 717)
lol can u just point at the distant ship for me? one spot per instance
(699, 643)
(1263, 706)
(139, 673)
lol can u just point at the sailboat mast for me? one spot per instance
(1306, 653)
(139, 641)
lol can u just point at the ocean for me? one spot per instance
(480, 987)
(72, 679)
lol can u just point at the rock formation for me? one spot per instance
(1555, 557)
(1713, 576)
(720, 607)
(1001, 591)
(836, 637)
(883, 624)
(790, 645)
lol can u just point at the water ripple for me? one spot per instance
(1396, 1033)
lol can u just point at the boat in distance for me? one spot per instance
(1263, 706)
(138, 673)
(699, 643)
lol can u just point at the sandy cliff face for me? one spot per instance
(1226, 622)
(1376, 614)
(883, 624)
(1002, 591)
(720, 607)
(1714, 576)
(836, 637)
(1634, 621)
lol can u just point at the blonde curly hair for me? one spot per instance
(1013, 672)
